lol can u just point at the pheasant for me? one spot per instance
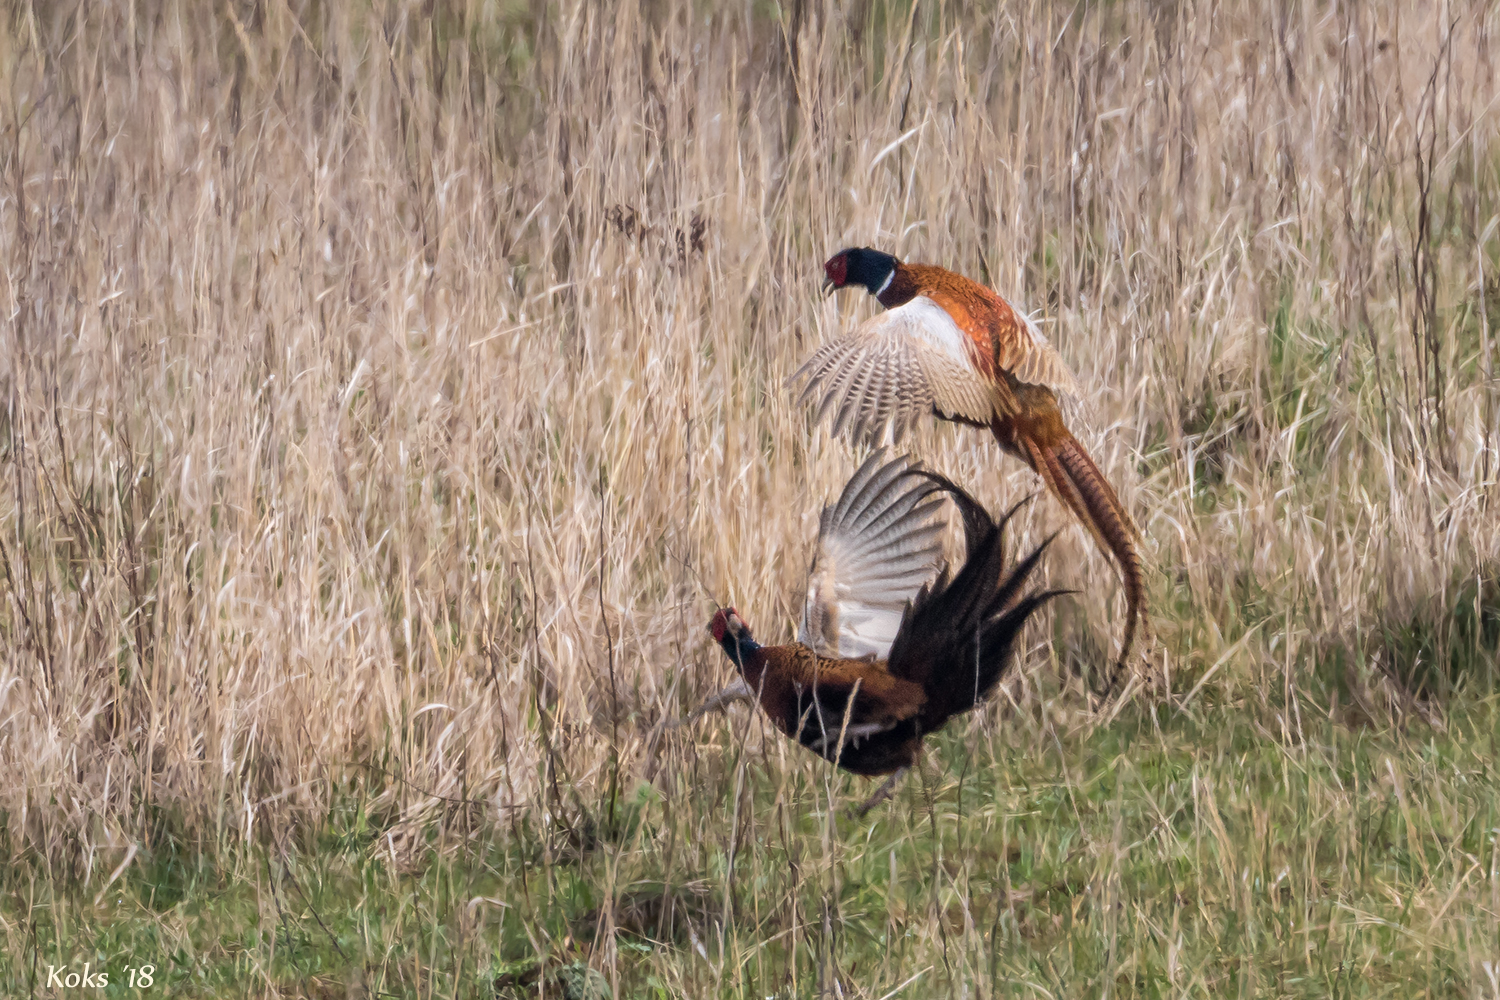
(885, 654)
(948, 346)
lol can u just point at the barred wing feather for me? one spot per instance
(895, 367)
(1033, 359)
(877, 545)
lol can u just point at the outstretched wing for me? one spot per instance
(898, 366)
(877, 545)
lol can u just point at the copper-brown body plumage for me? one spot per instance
(907, 360)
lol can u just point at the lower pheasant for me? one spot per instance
(882, 658)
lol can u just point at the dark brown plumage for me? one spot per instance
(956, 637)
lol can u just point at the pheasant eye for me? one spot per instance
(837, 270)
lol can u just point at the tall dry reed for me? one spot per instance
(385, 395)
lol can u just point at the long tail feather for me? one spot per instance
(1073, 477)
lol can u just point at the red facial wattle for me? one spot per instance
(837, 270)
(719, 624)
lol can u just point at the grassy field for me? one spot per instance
(389, 390)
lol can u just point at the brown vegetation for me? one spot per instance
(383, 397)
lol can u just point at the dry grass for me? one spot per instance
(384, 398)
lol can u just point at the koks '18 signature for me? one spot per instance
(58, 977)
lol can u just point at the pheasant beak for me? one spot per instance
(829, 287)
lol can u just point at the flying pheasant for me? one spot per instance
(948, 346)
(885, 654)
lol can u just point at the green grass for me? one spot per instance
(1171, 853)
(387, 390)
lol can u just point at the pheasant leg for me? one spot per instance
(738, 691)
(883, 792)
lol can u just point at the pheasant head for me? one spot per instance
(730, 632)
(859, 266)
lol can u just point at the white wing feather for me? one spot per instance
(895, 367)
(876, 546)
